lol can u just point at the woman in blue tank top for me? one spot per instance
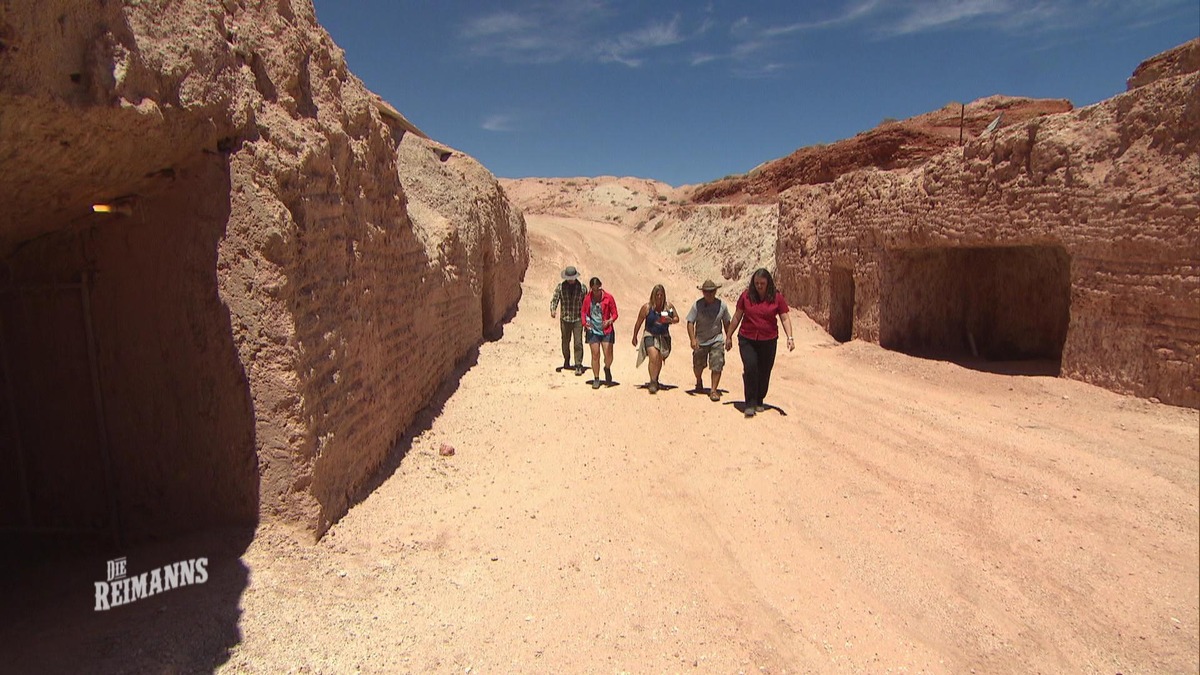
(658, 314)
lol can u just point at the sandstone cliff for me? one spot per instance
(1070, 236)
(290, 270)
(894, 144)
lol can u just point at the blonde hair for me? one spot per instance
(653, 292)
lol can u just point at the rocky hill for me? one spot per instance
(894, 144)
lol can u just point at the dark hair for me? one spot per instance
(593, 281)
(770, 296)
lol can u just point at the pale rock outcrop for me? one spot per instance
(722, 242)
(623, 201)
(1070, 235)
(270, 308)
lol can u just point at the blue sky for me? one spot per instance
(688, 92)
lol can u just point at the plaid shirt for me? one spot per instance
(572, 303)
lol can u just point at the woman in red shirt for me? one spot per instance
(757, 309)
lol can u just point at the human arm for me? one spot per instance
(692, 335)
(555, 300)
(637, 326)
(612, 319)
(731, 328)
(785, 317)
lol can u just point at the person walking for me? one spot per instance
(708, 323)
(569, 292)
(656, 343)
(756, 315)
(599, 313)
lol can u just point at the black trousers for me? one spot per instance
(758, 358)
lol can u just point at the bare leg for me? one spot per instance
(595, 359)
(656, 363)
(716, 377)
(608, 354)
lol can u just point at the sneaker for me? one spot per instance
(749, 411)
(760, 408)
(595, 384)
(653, 387)
(579, 369)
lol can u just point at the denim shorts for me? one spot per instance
(592, 338)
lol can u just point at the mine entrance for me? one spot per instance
(841, 304)
(981, 305)
(123, 401)
(59, 475)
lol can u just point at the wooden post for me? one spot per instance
(101, 427)
(26, 499)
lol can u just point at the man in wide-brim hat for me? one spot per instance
(707, 323)
(569, 293)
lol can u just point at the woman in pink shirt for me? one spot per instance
(760, 309)
(599, 313)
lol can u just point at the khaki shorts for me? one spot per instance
(713, 356)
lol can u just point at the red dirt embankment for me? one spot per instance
(891, 145)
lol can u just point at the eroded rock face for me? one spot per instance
(1181, 60)
(894, 144)
(1069, 236)
(621, 200)
(273, 301)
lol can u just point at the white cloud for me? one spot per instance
(542, 31)
(625, 47)
(500, 23)
(1014, 15)
(604, 31)
(942, 13)
(499, 123)
(852, 13)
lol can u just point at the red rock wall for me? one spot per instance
(269, 317)
(1115, 188)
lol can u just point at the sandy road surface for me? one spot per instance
(892, 515)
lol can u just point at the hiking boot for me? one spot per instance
(566, 364)
(579, 369)
(760, 408)
(653, 387)
(595, 384)
(749, 411)
(608, 376)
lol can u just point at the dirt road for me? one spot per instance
(891, 514)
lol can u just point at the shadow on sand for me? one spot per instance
(49, 622)
(740, 406)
